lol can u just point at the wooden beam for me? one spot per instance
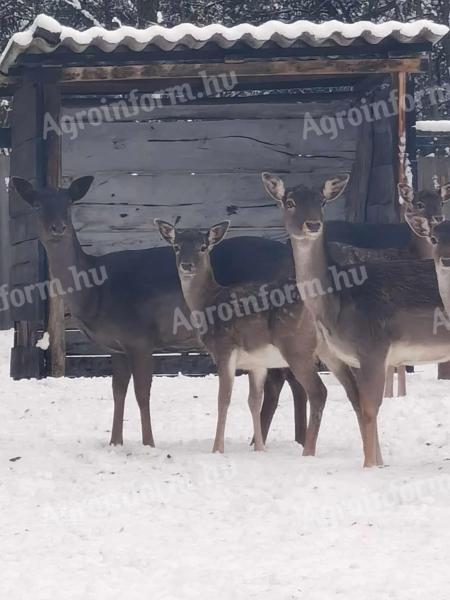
(26, 267)
(275, 68)
(52, 145)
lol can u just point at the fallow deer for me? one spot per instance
(131, 315)
(388, 320)
(439, 237)
(369, 241)
(275, 336)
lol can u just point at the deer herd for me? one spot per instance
(394, 313)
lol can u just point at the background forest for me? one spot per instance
(16, 15)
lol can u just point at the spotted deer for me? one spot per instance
(253, 336)
(386, 321)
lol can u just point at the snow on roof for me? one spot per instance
(433, 126)
(46, 34)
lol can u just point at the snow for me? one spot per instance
(194, 36)
(80, 520)
(433, 126)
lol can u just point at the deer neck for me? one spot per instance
(420, 247)
(70, 268)
(312, 273)
(200, 289)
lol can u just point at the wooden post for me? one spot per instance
(52, 144)
(27, 257)
(401, 87)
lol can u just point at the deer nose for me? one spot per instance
(313, 226)
(187, 267)
(58, 229)
(438, 218)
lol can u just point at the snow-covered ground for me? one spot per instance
(80, 520)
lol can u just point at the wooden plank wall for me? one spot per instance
(5, 318)
(194, 165)
(197, 165)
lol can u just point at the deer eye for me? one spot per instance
(203, 248)
(420, 205)
(290, 204)
(176, 247)
(433, 240)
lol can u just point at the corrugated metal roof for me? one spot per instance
(46, 35)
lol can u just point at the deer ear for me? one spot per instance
(80, 187)
(333, 188)
(405, 193)
(166, 230)
(25, 190)
(274, 187)
(445, 192)
(217, 232)
(419, 225)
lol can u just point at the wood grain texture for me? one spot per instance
(193, 171)
(268, 68)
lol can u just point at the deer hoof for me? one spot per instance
(116, 442)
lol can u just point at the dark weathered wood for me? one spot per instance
(319, 66)
(381, 198)
(52, 145)
(206, 111)
(100, 366)
(5, 320)
(358, 188)
(27, 260)
(196, 171)
(62, 55)
(105, 242)
(5, 137)
(207, 147)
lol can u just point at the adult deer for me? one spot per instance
(439, 237)
(355, 242)
(254, 334)
(132, 313)
(386, 321)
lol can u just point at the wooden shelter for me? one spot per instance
(179, 123)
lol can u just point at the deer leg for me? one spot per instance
(300, 411)
(142, 370)
(306, 374)
(346, 378)
(256, 379)
(371, 382)
(389, 388)
(272, 388)
(401, 380)
(121, 373)
(226, 371)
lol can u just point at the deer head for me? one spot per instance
(426, 203)
(53, 206)
(303, 207)
(192, 246)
